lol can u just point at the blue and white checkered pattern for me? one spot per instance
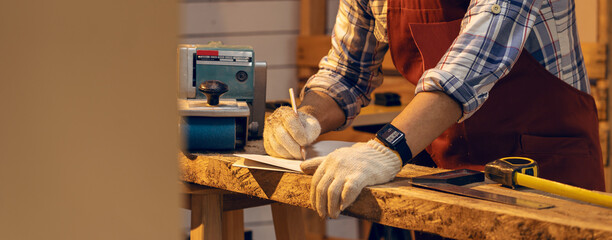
(489, 43)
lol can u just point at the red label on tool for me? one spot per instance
(207, 53)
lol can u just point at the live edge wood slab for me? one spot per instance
(413, 208)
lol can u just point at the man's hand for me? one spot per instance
(285, 131)
(341, 175)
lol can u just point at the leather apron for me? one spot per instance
(529, 113)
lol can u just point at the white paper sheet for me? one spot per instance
(248, 163)
(266, 162)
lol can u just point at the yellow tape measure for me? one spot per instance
(522, 165)
(504, 170)
(522, 171)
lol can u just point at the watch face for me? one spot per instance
(391, 135)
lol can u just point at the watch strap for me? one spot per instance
(401, 147)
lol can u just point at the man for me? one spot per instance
(493, 78)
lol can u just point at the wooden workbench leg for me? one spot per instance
(364, 229)
(233, 225)
(206, 218)
(315, 225)
(288, 222)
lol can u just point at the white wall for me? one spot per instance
(271, 27)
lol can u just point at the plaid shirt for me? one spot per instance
(489, 43)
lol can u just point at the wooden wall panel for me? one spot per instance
(312, 48)
(586, 19)
(252, 17)
(605, 35)
(595, 59)
(312, 17)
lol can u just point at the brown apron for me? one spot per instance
(529, 113)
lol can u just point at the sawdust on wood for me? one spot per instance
(400, 205)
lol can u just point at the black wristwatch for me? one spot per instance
(395, 139)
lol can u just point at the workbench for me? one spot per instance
(393, 204)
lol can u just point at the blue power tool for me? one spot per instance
(222, 93)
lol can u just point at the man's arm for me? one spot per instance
(426, 117)
(340, 176)
(351, 70)
(333, 96)
(488, 44)
(323, 108)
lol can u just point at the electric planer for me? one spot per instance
(222, 93)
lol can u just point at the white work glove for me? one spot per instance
(285, 132)
(341, 175)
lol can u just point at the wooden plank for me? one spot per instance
(310, 50)
(599, 91)
(288, 222)
(241, 201)
(315, 225)
(312, 22)
(602, 21)
(190, 188)
(312, 17)
(607, 35)
(586, 20)
(364, 229)
(402, 206)
(604, 139)
(595, 55)
(239, 17)
(233, 225)
(231, 202)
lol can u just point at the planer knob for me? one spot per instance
(213, 89)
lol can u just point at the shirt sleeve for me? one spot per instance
(491, 39)
(352, 68)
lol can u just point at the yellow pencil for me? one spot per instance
(294, 106)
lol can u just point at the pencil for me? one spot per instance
(294, 106)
